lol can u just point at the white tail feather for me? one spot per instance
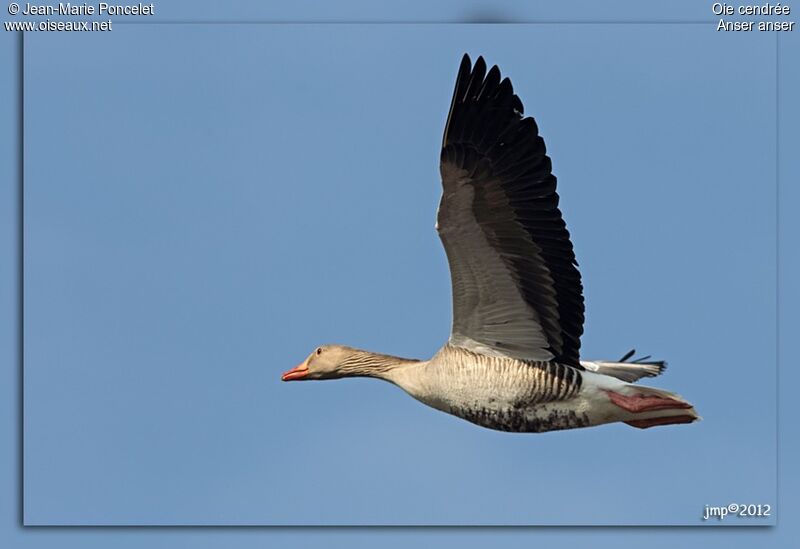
(626, 371)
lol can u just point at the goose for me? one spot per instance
(512, 361)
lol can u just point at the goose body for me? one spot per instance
(498, 392)
(512, 361)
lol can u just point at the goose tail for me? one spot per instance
(650, 407)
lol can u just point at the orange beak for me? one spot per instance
(298, 372)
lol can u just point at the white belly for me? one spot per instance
(501, 393)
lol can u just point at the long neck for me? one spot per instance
(366, 364)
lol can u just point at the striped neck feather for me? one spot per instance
(366, 364)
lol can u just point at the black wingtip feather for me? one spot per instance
(476, 80)
(466, 66)
(627, 355)
(490, 84)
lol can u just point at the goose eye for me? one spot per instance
(319, 350)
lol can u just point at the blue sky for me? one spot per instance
(163, 395)
(219, 200)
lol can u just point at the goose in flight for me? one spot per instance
(512, 360)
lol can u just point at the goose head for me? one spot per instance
(323, 363)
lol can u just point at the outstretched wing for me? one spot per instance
(516, 287)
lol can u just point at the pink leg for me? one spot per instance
(642, 403)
